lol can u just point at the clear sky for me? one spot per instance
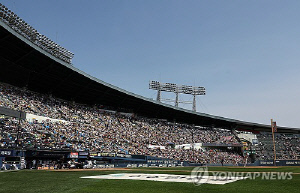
(246, 53)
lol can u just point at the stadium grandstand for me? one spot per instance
(53, 114)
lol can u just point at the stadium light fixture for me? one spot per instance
(177, 89)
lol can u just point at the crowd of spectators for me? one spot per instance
(113, 135)
(287, 146)
(90, 128)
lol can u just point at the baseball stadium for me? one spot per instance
(63, 130)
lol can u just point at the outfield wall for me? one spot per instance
(109, 160)
(279, 163)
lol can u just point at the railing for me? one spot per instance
(31, 34)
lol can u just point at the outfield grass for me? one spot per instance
(70, 181)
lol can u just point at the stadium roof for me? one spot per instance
(24, 64)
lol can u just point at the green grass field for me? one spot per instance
(70, 181)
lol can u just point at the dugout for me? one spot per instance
(38, 159)
(228, 147)
(8, 157)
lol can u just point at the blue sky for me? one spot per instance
(246, 53)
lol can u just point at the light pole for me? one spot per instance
(177, 89)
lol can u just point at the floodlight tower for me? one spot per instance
(194, 102)
(197, 91)
(155, 85)
(176, 99)
(170, 87)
